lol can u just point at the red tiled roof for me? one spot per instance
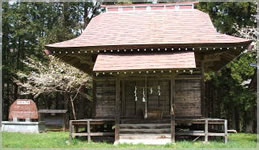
(153, 27)
(151, 61)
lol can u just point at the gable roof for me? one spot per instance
(149, 27)
(151, 61)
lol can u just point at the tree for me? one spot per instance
(27, 27)
(225, 15)
(56, 76)
(235, 101)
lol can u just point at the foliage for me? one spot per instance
(27, 27)
(60, 140)
(225, 15)
(236, 100)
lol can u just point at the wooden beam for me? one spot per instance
(211, 57)
(117, 111)
(172, 99)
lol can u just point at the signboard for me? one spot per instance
(23, 109)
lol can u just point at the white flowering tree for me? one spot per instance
(248, 33)
(56, 76)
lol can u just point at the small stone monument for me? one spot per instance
(24, 109)
(23, 117)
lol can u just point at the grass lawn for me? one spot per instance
(60, 140)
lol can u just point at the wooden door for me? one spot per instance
(134, 107)
(158, 98)
(146, 97)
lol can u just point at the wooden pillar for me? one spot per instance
(146, 108)
(172, 98)
(203, 110)
(94, 97)
(206, 130)
(123, 101)
(226, 130)
(117, 111)
(88, 131)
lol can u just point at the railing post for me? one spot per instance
(70, 131)
(226, 130)
(172, 128)
(206, 130)
(88, 131)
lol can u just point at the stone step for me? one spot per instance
(145, 141)
(145, 136)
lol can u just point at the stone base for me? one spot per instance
(144, 141)
(24, 127)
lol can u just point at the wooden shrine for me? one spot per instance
(148, 63)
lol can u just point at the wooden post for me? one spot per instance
(70, 131)
(172, 109)
(226, 130)
(88, 131)
(202, 89)
(206, 130)
(94, 97)
(123, 99)
(145, 116)
(64, 122)
(117, 111)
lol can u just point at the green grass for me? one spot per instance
(60, 140)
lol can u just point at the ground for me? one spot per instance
(60, 140)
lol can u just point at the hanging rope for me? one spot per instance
(135, 93)
(158, 90)
(144, 96)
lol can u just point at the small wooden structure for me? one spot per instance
(54, 119)
(148, 63)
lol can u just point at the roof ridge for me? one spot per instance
(148, 7)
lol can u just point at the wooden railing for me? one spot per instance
(87, 124)
(221, 123)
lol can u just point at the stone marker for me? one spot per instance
(26, 110)
(23, 109)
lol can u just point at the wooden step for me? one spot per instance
(144, 126)
(145, 121)
(145, 136)
(145, 141)
(137, 131)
